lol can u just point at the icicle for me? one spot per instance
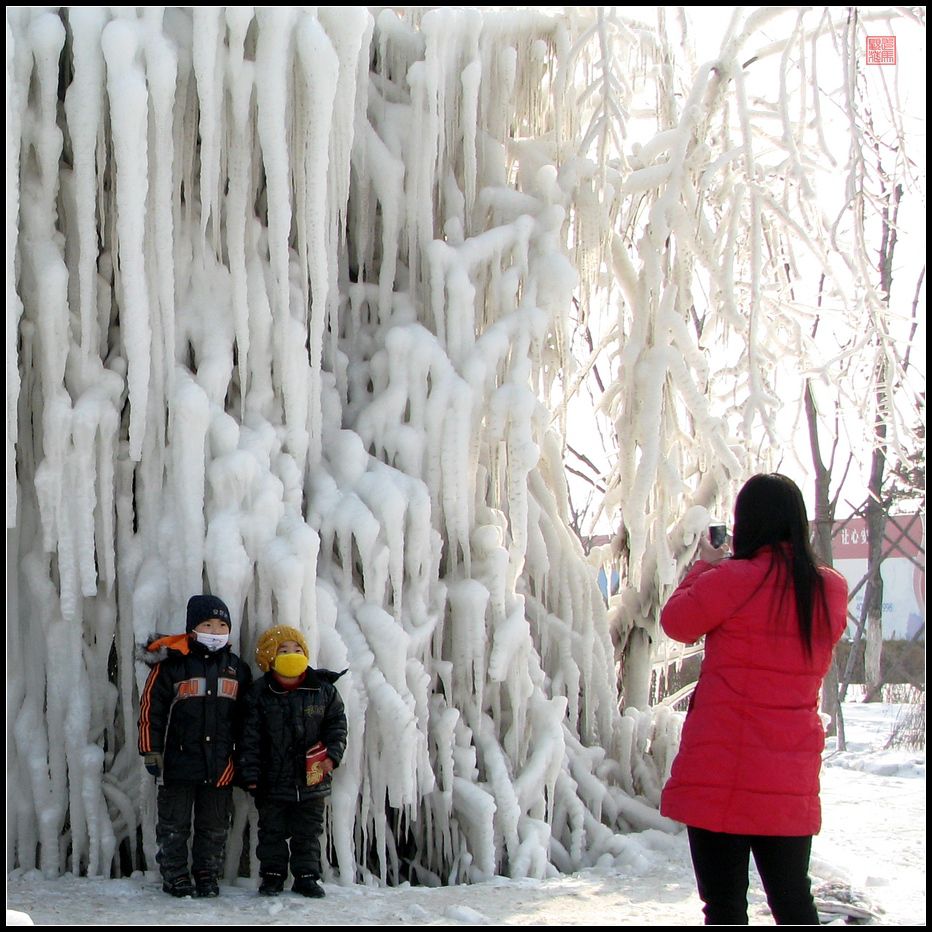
(389, 504)
(476, 810)
(190, 419)
(161, 75)
(348, 28)
(321, 70)
(468, 599)
(208, 71)
(15, 105)
(276, 26)
(84, 110)
(471, 78)
(228, 565)
(387, 175)
(129, 110)
(347, 782)
(39, 726)
(87, 413)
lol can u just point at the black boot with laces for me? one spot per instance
(272, 884)
(205, 884)
(178, 886)
(307, 885)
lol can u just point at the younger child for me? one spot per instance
(289, 711)
(189, 719)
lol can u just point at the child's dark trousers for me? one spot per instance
(212, 806)
(280, 821)
(721, 863)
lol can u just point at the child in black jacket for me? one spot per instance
(293, 736)
(190, 717)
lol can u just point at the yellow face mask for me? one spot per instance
(290, 664)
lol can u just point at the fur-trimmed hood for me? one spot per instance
(158, 647)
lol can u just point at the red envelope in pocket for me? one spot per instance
(314, 760)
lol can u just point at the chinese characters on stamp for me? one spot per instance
(881, 50)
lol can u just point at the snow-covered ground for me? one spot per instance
(873, 840)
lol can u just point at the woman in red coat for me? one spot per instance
(746, 778)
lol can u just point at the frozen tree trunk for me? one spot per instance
(873, 590)
(823, 522)
(876, 504)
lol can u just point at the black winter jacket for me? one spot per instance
(281, 725)
(191, 710)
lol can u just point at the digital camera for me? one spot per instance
(717, 535)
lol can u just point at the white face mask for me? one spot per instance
(213, 642)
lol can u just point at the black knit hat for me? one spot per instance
(203, 608)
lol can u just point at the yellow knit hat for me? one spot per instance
(268, 644)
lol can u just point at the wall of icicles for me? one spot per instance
(283, 302)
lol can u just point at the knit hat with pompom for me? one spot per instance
(271, 640)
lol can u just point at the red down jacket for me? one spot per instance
(751, 746)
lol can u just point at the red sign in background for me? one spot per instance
(903, 538)
(903, 570)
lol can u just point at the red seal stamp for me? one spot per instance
(881, 50)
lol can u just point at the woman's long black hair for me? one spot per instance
(769, 512)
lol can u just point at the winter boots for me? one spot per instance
(272, 884)
(178, 886)
(307, 885)
(205, 884)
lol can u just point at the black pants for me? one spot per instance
(212, 806)
(281, 821)
(721, 864)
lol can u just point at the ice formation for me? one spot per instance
(284, 294)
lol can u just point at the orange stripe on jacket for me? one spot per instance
(145, 705)
(227, 776)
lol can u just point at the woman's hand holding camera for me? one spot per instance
(708, 551)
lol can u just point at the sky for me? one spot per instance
(872, 843)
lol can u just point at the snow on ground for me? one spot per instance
(873, 838)
(874, 816)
